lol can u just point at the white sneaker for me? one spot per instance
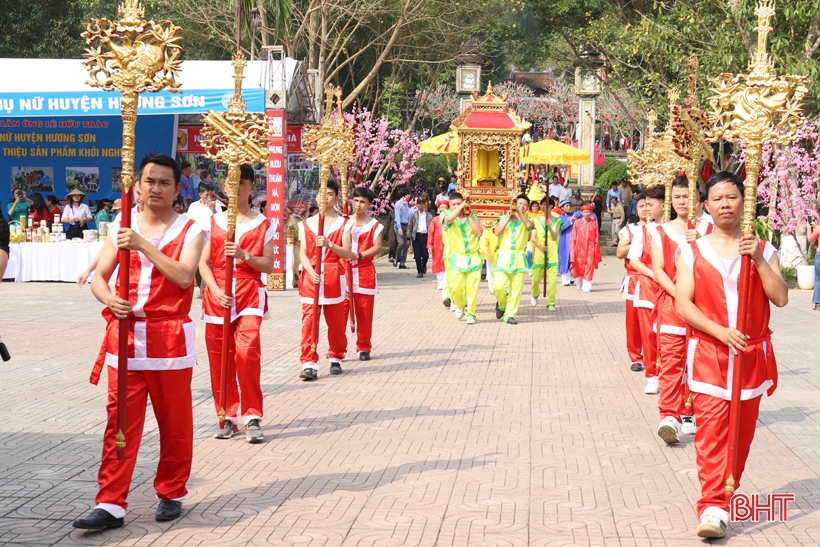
(550, 308)
(459, 313)
(668, 430)
(711, 526)
(652, 387)
(533, 301)
(452, 306)
(688, 426)
(470, 320)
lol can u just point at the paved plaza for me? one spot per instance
(453, 435)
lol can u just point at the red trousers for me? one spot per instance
(336, 319)
(634, 346)
(170, 392)
(672, 397)
(364, 320)
(244, 365)
(649, 341)
(711, 442)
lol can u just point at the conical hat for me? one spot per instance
(75, 192)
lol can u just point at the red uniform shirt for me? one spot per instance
(333, 285)
(250, 296)
(161, 333)
(646, 289)
(364, 271)
(710, 363)
(632, 275)
(670, 243)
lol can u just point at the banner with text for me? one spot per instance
(276, 196)
(104, 103)
(57, 155)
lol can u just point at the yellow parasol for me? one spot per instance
(446, 143)
(551, 152)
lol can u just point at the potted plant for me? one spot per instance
(789, 178)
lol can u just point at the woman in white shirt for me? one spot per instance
(76, 215)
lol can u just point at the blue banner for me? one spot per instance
(102, 103)
(56, 155)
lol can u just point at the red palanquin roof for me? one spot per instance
(489, 112)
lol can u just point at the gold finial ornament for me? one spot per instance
(757, 108)
(132, 56)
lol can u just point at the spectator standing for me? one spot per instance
(453, 184)
(76, 214)
(442, 191)
(614, 191)
(104, 214)
(417, 229)
(37, 208)
(555, 188)
(391, 234)
(814, 234)
(54, 211)
(564, 194)
(186, 191)
(20, 206)
(616, 212)
(402, 211)
(626, 193)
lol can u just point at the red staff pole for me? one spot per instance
(123, 290)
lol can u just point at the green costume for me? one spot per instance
(510, 266)
(463, 262)
(552, 259)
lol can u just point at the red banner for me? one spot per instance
(277, 178)
(294, 139)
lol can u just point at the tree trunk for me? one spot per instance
(263, 19)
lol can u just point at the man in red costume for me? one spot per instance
(667, 240)
(707, 299)
(165, 249)
(634, 346)
(252, 251)
(332, 286)
(646, 288)
(585, 249)
(365, 234)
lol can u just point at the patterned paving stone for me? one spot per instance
(453, 435)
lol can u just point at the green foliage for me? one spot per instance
(615, 174)
(789, 274)
(34, 29)
(609, 163)
(432, 167)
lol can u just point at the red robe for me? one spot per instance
(585, 248)
(436, 245)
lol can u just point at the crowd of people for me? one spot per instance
(681, 292)
(682, 300)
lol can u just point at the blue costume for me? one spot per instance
(563, 243)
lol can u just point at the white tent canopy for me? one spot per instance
(61, 75)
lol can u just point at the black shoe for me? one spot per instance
(483, 276)
(637, 366)
(99, 519)
(364, 356)
(395, 264)
(511, 321)
(335, 368)
(499, 313)
(402, 267)
(447, 302)
(308, 374)
(168, 510)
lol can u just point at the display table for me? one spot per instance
(50, 261)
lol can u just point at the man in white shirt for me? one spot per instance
(201, 211)
(555, 188)
(565, 193)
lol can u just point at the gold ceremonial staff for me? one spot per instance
(130, 56)
(756, 108)
(235, 138)
(328, 144)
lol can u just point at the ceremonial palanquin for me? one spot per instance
(489, 133)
